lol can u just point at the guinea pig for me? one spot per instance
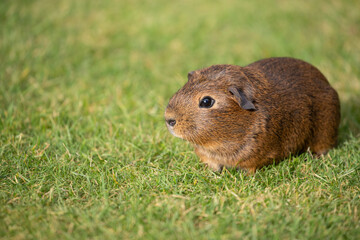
(249, 117)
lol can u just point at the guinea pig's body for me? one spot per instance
(249, 117)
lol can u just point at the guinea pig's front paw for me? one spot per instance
(214, 166)
(250, 171)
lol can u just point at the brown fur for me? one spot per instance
(295, 109)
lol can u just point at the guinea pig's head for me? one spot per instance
(216, 105)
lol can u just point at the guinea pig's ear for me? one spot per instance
(243, 101)
(190, 75)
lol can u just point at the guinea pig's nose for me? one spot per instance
(171, 122)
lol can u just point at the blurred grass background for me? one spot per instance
(83, 147)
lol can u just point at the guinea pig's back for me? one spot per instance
(292, 80)
(287, 73)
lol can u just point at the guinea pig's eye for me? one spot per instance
(206, 102)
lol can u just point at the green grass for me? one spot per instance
(84, 151)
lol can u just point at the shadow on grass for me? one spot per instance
(350, 119)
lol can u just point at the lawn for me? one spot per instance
(85, 153)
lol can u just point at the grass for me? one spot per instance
(84, 151)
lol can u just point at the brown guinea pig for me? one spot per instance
(249, 117)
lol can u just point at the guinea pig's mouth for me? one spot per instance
(171, 130)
